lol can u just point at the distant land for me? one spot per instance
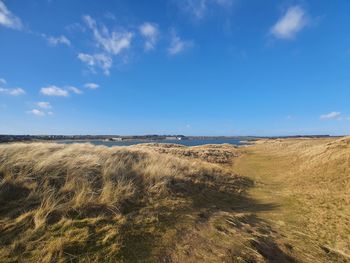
(27, 138)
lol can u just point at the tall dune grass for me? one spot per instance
(83, 203)
(315, 175)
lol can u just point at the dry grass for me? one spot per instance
(171, 203)
(310, 180)
(222, 154)
(83, 203)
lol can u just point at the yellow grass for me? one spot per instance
(309, 179)
(83, 203)
(275, 201)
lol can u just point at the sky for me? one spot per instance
(192, 67)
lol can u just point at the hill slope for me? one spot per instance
(83, 203)
(275, 201)
(309, 181)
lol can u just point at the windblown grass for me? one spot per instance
(83, 203)
(213, 153)
(171, 203)
(310, 180)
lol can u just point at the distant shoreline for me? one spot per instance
(27, 138)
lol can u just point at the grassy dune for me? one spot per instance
(276, 201)
(82, 203)
(221, 154)
(309, 181)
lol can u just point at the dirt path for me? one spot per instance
(271, 175)
(267, 173)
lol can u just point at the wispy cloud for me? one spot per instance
(55, 41)
(198, 9)
(112, 42)
(102, 61)
(75, 90)
(10, 91)
(13, 92)
(334, 115)
(37, 112)
(150, 32)
(7, 19)
(109, 42)
(17, 91)
(91, 86)
(54, 91)
(178, 45)
(75, 27)
(110, 16)
(45, 109)
(293, 21)
(44, 105)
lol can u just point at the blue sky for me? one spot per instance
(193, 67)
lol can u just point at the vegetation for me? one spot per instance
(309, 182)
(212, 153)
(84, 203)
(275, 201)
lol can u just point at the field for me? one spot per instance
(275, 201)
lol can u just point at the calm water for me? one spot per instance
(183, 142)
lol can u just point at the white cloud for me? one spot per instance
(12, 92)
(88, 59)
(44, 105)
(44, 109)
(290, 23)
(54, 91)
(150, 32)
(17, 92)
(55, 41)
(7, 19)
(112, 42)
(91, 85)
(178, 45)
(37, 112)
(74, 90)
(97, 60)
(198, 9)
(331, 116)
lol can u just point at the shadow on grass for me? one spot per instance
(206, 197)
(153, 223)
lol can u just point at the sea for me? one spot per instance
(192, 142)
